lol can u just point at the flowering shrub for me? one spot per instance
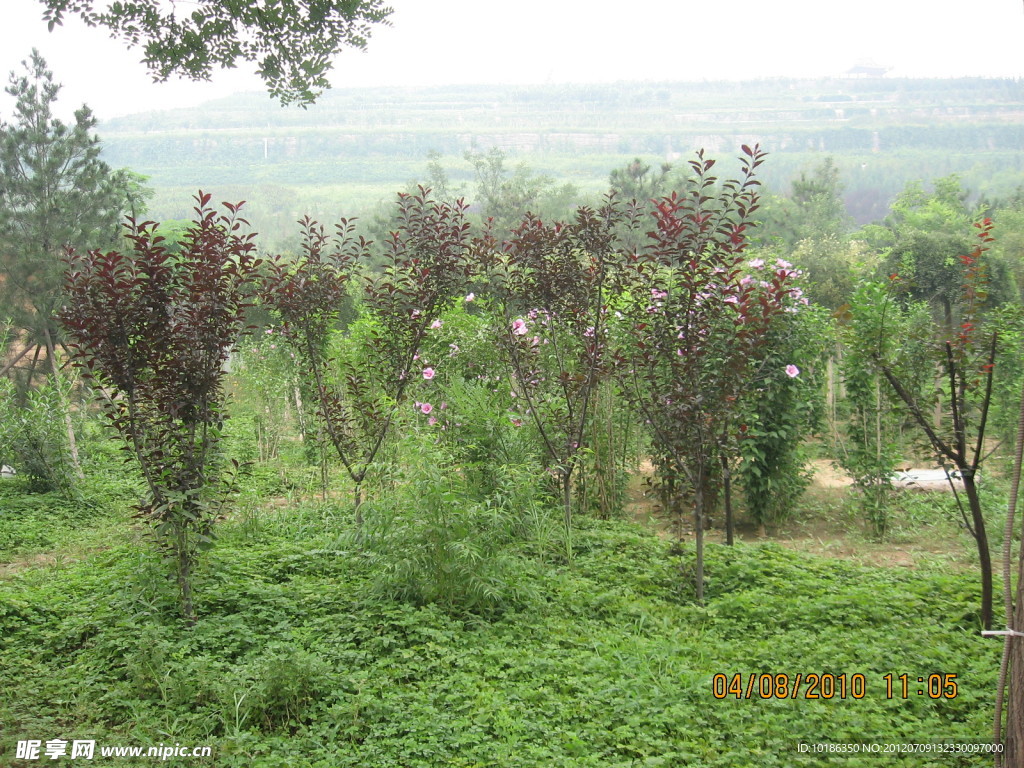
(473, 413)
(782, 408)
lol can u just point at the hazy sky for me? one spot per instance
(538, 41)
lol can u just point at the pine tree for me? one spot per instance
(55, 193)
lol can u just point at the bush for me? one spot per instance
(33, 441)
(431, 544)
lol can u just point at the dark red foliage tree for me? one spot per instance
(152, 331)
(554, 283)
(694, 327)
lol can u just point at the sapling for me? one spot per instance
(965, 356)
(695, 325)
(553, 284)
(152, 332)
(424, 264)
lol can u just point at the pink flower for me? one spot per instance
(658, 294)
(519, 327)
(428, 373)
(470, 297)
(425, 407)
(436, 324)
(731, 300)
(432, 421)
(757, 263)
(792, 371)
(782, 264)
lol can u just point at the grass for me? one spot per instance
(299, 659)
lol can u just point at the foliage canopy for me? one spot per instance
(290, 42)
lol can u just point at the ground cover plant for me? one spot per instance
(297, 658)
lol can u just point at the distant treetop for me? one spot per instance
(290, 41)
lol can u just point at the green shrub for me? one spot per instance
(288, 681)
(34, 439)
(431, 543)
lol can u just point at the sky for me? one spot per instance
(438, 42)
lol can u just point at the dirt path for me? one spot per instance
(823, 534)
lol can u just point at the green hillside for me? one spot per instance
(357, 146)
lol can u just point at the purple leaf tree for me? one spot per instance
(553, 284)
(152, 332)
(692, 331)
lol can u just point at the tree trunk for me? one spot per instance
(567, 509)
(727, 500)
(831, 399)
(1013, 667)
(981, 538)
(69, 426)
(188, 610)
(358, 497)
(1011, 670)
(11, 363)
(698, 519)
(1013, 741)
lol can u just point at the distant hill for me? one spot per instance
(881, 131)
